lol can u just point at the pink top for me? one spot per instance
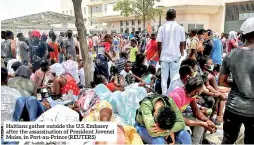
(180, 98)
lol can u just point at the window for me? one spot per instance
(199, 26)
(139, 29)
(84, 10)
(105, 9)
(96, 9)
(133, 22)
(195, 26)
(127, 23)
(121, 23)
(121, 30)
(67, 12)
(71, 12)
(133, 29)
(139, 22)
(127, 30)
(62, 12)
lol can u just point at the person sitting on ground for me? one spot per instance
(149, 76)
(63, 82)
(22, 81)
(120, 63)
(159, 121)
(185, 96)
(209, 98)
(113, 85)
(127, 77)
(42, 76)
(71, 67)
(8, 98)
(139, 68)
(157, 85)
(14, 67)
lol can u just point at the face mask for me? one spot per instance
(210, 68)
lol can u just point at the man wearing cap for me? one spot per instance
(69, 45)
(38, 50)
(240, 104)
(171, 45)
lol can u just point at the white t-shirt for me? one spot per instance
(95, 40)
(170, 35)
(82, 76)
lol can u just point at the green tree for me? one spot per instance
(143, 9)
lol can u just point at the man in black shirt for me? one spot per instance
(208, 42)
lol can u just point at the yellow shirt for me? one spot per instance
(133, 54)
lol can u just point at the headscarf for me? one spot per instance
(57, 68)
(216, 35)
(232, 35)
(23, 71)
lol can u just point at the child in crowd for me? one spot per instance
(133, 51)
(149, 76)
(127, 77)
(120, 63)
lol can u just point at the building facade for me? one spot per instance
(207, 14)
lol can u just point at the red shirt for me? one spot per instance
(54, 55)
(151, 50)
(107, 46)
(231, 43)
(111, 87)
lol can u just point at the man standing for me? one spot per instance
(240, 104)
(193, 45)
(23, 49)
(69, 45)
(208, 42)
(171, 45)
(95, 42)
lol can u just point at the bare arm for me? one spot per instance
(182, 47)
(223, 80)
(159, 48)
(196, 111)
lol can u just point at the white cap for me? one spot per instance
(248, 26)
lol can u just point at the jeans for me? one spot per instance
(232, 125)
(153, 63)
(28, 109)
(181, 137)
(166, 68)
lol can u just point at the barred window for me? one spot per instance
(235, 11)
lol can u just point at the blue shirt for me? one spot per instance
(217, 51)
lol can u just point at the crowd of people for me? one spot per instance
(169, 87)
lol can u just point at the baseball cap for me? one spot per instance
(36, 33)
(248, 26)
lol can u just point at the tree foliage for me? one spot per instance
(140, 8)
